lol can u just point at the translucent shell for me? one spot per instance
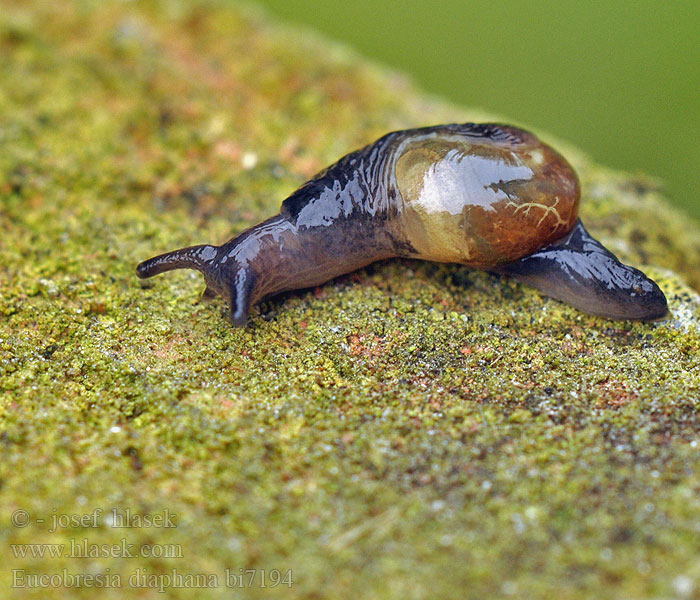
(484, 201)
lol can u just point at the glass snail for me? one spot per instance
(489, 196)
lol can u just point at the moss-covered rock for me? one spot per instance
(411, 430)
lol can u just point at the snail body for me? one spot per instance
(488, 196)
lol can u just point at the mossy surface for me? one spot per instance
(411, 430)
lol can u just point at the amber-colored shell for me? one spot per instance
(482, 201)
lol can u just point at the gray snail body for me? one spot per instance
(489, 196)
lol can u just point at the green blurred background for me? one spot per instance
(618, 79)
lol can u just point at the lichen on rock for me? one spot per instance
(410, 430)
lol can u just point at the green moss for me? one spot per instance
(410, 430)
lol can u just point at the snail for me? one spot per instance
(489, 196)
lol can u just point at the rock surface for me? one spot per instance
(411, 430)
